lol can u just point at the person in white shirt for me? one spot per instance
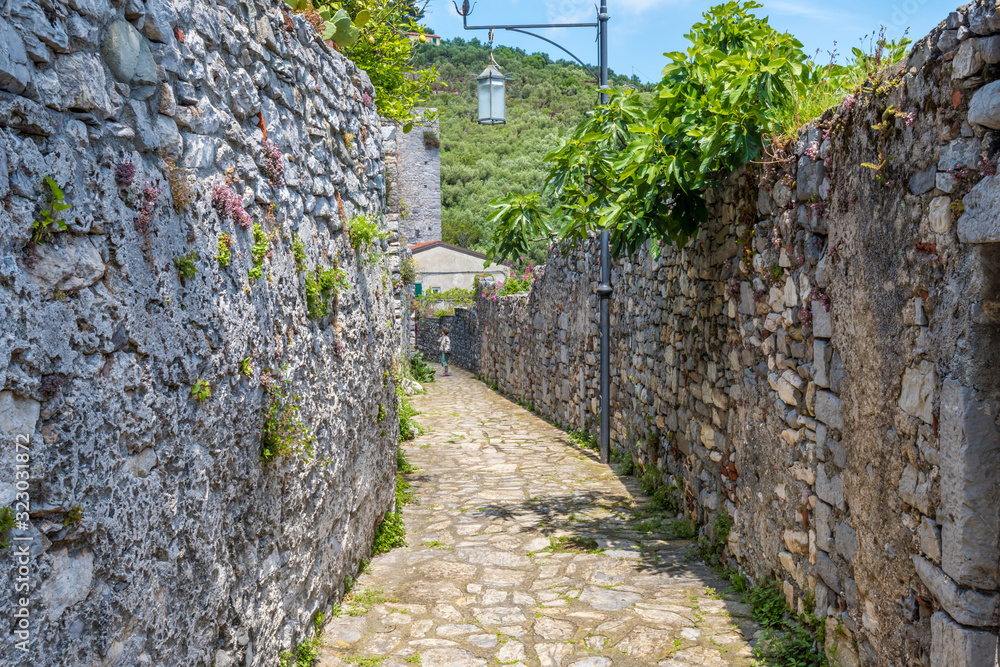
(445, 347)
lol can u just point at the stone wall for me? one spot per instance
(464, 334)
(186, 548)
(417, 184)
(821, 362)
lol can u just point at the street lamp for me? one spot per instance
(491, 91)
(492, 104)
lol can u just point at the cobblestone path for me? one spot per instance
(521, 553)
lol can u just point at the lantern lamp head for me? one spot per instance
(492, 101)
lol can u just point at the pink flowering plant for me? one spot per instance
(229, 205)
(272, 166)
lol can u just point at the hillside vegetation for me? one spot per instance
(546, 100)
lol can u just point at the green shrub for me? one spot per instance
(419, 368)
(767, 603)
(305, 654)
(284, 433)
(408, 428)
(391, 533)
(584, 440)
(403, 464)
(364, 231)
(794, 646)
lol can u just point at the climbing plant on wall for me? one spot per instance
(640, 169)
(372, 34)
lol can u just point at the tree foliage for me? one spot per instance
(546, 99)
(640, 169)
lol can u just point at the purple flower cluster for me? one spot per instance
(733, 288)
(273, 167)
(819, 295)
(806, 318)
(229, 205)
(124, 173)
(812, 151)
(910, 118)
(51, 384)
(150, 195)
(366, 99)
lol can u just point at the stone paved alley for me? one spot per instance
(499, 567)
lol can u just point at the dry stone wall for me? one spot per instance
(821, 363)
(186, 548)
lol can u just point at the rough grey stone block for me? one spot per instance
(15, 70)
(979, 222)
(923, 181)
(953, 645)
(829, 488)
(829, 410)
(967, 606)
(847, 541)
(970, 450)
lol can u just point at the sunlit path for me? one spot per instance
(523, 551)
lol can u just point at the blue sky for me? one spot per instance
(640, 31)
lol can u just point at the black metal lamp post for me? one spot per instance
(491, 84)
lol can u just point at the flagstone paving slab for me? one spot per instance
(480, 583)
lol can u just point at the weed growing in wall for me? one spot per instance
(225, 254)
(185, 265)
(42, 229)
(307, 653)
(299, 253)
(408, 271)
(321, 286)
(284, 433)
(363, 231)
(178, 179)
(201, 390)
(258, 252)
(6, 523)
(73, 517)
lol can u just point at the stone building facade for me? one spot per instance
(156, 534)
(416, 185)
(820, 363)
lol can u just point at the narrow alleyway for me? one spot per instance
(523, 551)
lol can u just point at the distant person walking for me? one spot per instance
(445, 347)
